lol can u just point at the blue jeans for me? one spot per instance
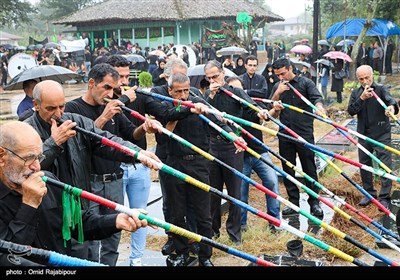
(137, 184)
(269, 180)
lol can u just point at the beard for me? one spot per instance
(16, 176)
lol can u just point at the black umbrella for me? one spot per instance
(51, 45)
(196, 74)
(324, 62)
(41, 73)
(7, 46)
(323, 43)
(233, 50)
(135, 58)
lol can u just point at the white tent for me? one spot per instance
(73, 46)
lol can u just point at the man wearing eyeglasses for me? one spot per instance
(32, 212)
(226, 151)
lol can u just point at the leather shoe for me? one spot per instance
(288, 211)
(273, 229)
(194, 248)
(316, 210)
(168, 247)
(365, 201)
(206, 262)
(236, 242)
(181, 260)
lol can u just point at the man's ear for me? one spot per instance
(91, 83)
(36, 105)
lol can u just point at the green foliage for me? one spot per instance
(15, 12)
(145, 79)
(351, 85)
(376, 76)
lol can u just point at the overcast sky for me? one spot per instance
(288, 8)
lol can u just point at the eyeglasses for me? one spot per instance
(30, 159)
(213, 77)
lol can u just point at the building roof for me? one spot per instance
(8, 36)
(125, 11)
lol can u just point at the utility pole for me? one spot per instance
(316, 12)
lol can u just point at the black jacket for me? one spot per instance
(76, 151)
(371, 118)
(42, 227)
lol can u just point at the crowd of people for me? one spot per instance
(46, 142)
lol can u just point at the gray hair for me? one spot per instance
(171, 64)
(365, 66)
(8, 137)
(38, 90)
(213, 63)
(177, 78)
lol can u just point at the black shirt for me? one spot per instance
(119, 125)
(300, 123)
(229, 105)
(42, 227)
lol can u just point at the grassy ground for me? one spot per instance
(259, 241)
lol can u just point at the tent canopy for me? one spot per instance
(353, 27)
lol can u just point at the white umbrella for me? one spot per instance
(158, 53)
(233, 50)
(348, 42)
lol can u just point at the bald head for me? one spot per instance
(49, 100)
(365, 75)
(365, 70)
(15, 134)
(44, 88)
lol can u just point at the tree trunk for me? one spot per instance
(371, 8)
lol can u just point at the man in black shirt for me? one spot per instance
(254, 84)
(299, 123)
(180, 193)
(228, 152)
(173, 66)
(373, 122)
(103, 78)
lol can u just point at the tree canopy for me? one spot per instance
(64, 8)
(13, 13)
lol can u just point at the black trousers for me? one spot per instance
(384, 156)
(289, 150)
(181, 194)
(220, 176)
